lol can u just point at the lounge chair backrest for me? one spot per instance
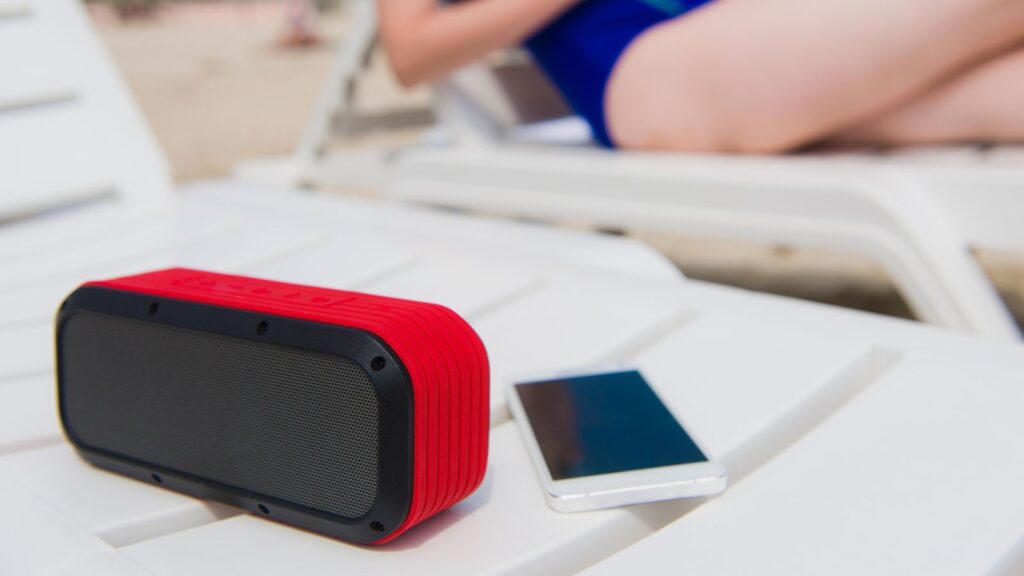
(55, 78)
(489, 101)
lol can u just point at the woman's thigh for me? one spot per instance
(771, 75)
(984, 104)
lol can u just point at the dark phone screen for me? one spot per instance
(604, 423)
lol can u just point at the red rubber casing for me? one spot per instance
(445, 360)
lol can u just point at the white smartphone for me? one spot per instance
(603, 439)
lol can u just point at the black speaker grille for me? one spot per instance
(288, 424)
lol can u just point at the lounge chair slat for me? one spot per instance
(42, 540)
(37, 69)
(228, 248)
(27, 415)
(61, 136)
(469, 286)
(118, 510)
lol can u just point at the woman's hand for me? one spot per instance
(426, 41)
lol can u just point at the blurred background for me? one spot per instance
(225, 81)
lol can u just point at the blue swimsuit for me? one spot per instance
(580, 48)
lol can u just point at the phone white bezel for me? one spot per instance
(618, 488)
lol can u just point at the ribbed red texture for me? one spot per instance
(443, 356)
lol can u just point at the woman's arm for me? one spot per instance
(425, 40)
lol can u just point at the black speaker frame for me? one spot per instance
(391, 382)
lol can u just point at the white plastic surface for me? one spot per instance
(919, 474)
(117, 509)
(58, 229)
(101, 564)
(983, 200)
(885, 333)
(34, 538)
(469, 286)
(27, 144)
(40, 280)
(131, 239)
(28, 413)
(28, 349)
(772, 385)
(30, 66)
(535, 245)
(568, 322)
(341, 261)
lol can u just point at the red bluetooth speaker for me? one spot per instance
(353, 415)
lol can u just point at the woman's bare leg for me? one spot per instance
(984, 104)
(772, 75)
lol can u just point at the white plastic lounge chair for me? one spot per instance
(53, 94)
(751, 374)
(915, 213)
(768, 384)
